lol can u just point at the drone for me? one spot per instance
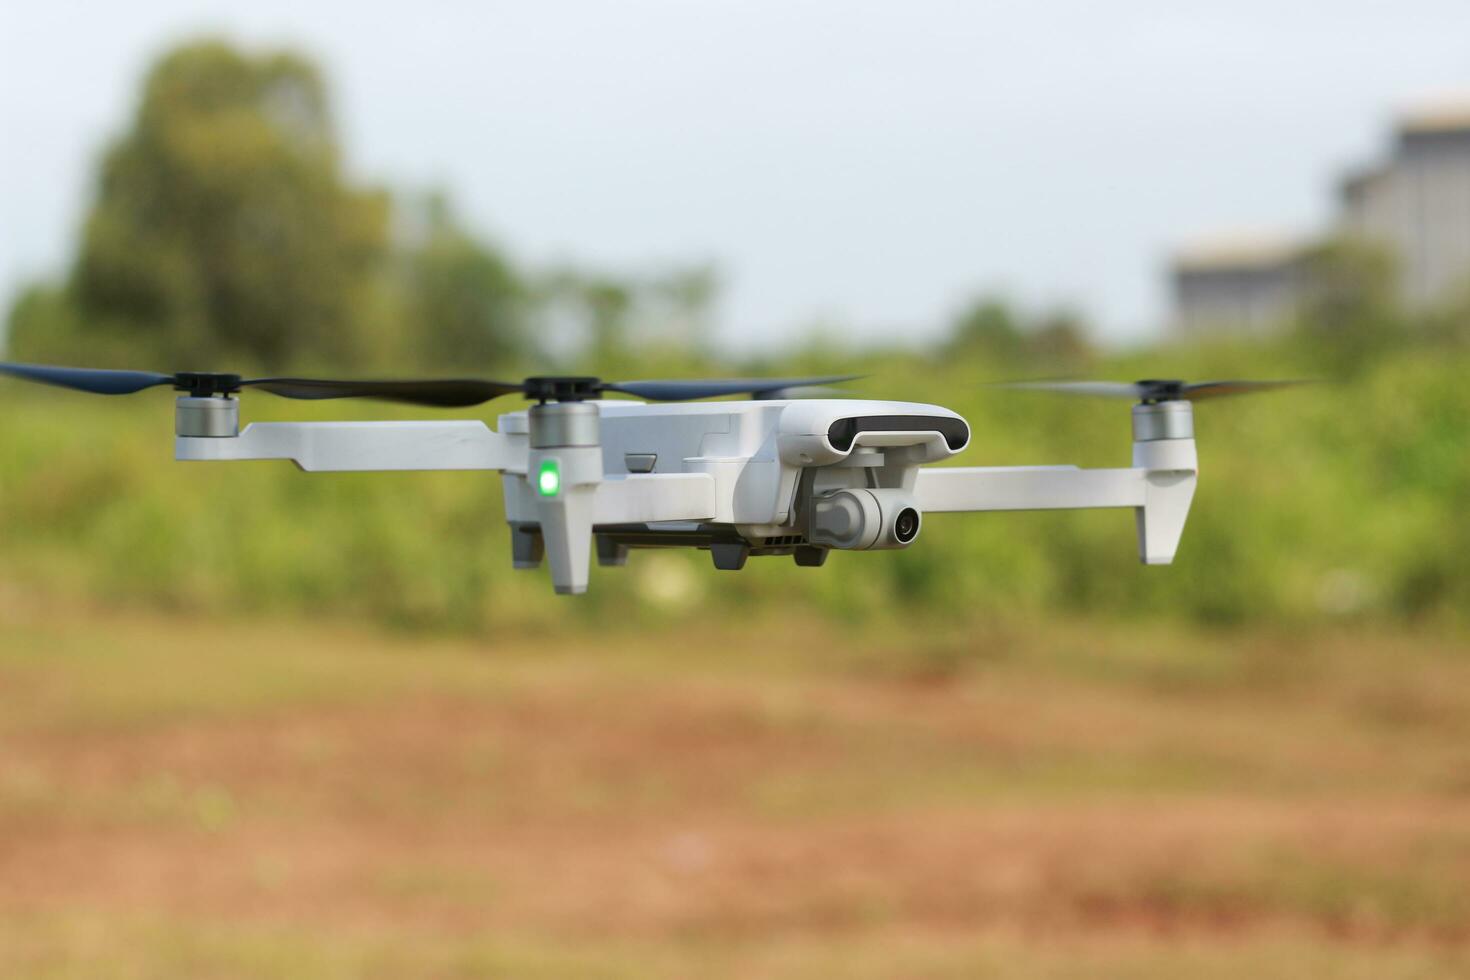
(776, 474)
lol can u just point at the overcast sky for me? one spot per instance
(845, 162)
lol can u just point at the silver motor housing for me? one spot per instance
(862, 519)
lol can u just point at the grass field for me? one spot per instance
(185, 797)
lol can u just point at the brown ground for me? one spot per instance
(217, 800)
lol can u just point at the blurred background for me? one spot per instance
(255, 721)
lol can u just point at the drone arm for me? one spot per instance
(1159, 489)
(986, 488)
(321, 447)
(1166, 499)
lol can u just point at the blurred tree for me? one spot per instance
(465, 303)
(40, 309)
(667, 314)
(1449, 323)
(1350, 299)
(990, 325)
(599, 308)
(995, 330)
(687, 296)
(223, 227)
(608, 303)
(1060, 339)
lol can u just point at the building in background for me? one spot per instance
(1240, 284)
(1416, 204)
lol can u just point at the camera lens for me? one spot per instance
(906, 525)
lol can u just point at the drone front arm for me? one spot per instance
(982, 488)
(1159, 497)
(584, 499)
(321, 447)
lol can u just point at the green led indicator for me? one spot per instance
(548, 479)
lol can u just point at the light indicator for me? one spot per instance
(548, 478)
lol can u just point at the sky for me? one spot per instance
(857, 166)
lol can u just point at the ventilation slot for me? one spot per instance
(784, 541)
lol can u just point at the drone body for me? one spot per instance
(796, 477)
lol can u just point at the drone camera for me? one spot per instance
(863, 519)
(906, 525)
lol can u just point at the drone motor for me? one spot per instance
(207, 417)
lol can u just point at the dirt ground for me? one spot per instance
(203, 799)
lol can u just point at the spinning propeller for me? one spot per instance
(440, 392)
(1152, 391)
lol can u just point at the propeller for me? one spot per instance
(439, 392)
(1154, 390)
(794, 394)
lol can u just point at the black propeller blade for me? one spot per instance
(1154, 389)
(88, 379)
(683, 391)
(438, 392)
(441, 392)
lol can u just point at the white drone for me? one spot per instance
(770, 476)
